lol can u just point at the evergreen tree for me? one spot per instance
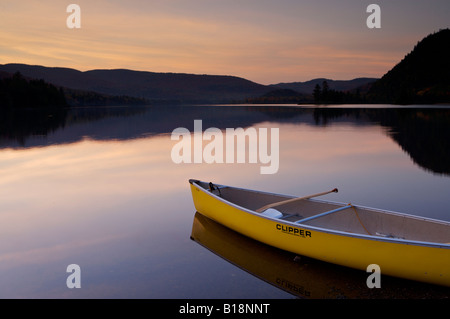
(317, 93)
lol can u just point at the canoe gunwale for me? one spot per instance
(328, 230)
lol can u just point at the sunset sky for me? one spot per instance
(263, 41)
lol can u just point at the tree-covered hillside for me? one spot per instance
(18, 92)
(423, 76)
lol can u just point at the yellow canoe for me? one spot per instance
(401, 245)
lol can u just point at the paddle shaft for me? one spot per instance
(294, 200)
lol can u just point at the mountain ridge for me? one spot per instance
(421, 77)
(153, 86)
(162, 86)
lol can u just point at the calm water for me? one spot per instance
(98, 188)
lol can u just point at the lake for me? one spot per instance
(97, 187)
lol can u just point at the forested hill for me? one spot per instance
(96, 87)
(175, 87)
(423, 76)
(17, 91)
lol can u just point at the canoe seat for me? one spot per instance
(323, 214)
(272, 213)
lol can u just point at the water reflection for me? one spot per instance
(97, 187)
(423, 133)
(298, 275)
(17, 126)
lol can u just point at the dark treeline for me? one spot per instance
(324, 95)
(89, 98)
(280, 96)
(18, 92)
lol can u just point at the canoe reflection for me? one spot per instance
(301, 276)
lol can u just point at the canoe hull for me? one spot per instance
(400, 259)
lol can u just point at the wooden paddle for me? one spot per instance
(259, 210)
